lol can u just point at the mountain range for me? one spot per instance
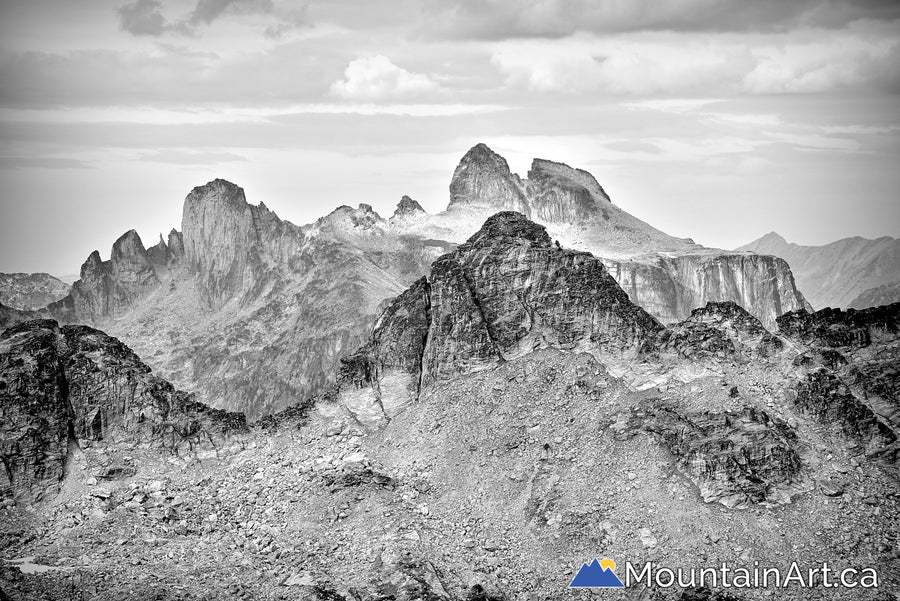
(510, 414)
(851, 272)
(252, 313)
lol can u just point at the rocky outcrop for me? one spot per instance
(825, 396)
(734, 458)
(175, 248)
(77, 383)
(28, 291)
(506, 292)
(718, 331)
(836, 328)
(165, 255)
(109, 288)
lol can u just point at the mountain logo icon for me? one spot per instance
(597, 574)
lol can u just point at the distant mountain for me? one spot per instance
(874, 297)
(30, 290)
(834, 275)
(253, 313)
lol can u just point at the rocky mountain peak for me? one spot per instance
(560, 174)
(773, 238)
(218, 191)
(219, 235)
(553, 192)
(128, 244)
(483, 179)
(506, 292)
(508, 227)
(407, 208)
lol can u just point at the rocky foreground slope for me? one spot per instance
(512, 415)
(252, 313)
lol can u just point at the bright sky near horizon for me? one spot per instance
(718, 120)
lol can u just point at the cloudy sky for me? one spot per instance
(715, 119)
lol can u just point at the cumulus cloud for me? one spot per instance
(377, 78)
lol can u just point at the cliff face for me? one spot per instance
(73, 383)
(669, 287)
(228, 243)
(27, 291)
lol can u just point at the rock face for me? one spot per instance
(35, 414)
(838, 329)
(483, 179)
(229, 244)
(73, 383)
(30, 290)
(833, 275)
(506, 292)
(669, 287)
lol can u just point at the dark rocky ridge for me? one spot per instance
(75, 383)
(836, 328)
(720, 329)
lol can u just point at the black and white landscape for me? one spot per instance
(510, 337)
